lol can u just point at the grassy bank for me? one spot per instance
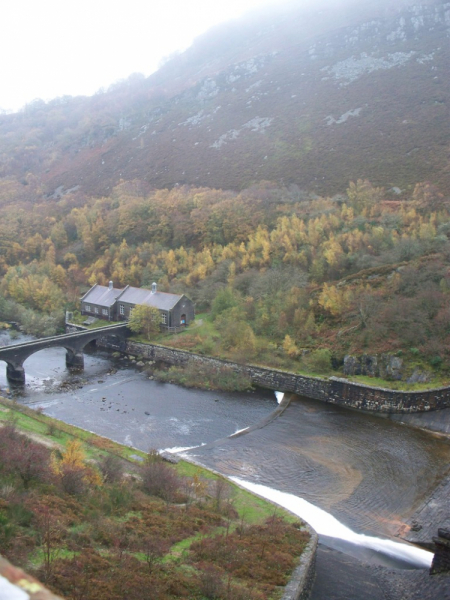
(92, 518)
(206, 377)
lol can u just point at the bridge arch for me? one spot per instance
(74, 344)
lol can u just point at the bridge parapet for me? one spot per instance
(74, 343)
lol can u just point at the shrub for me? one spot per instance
(111, 468)
(22, 457)
(72, 480)
(119, 496)
(205, 376)
(436, 362)
(211, 584)
(319, 361)
(159, 479)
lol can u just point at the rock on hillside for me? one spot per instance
(314, 98)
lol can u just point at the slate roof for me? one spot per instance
(102, 295)
(161, 300)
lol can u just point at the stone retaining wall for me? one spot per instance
(333, 390)
(302, 580)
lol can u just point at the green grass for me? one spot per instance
(252, 508)
(397, 385)
(35, 422)
(188, 469)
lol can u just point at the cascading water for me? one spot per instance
(279, 396)
(328, 525)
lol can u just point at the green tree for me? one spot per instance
(225, 299)
(145, 319)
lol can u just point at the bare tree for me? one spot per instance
(50, 530)
(27, 459)
(159, 479)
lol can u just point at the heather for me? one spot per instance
(92, 522)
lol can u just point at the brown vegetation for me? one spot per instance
(142, 532)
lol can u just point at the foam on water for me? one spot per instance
(280, 396)
(239, 431)
(326, 524)
(178, 449)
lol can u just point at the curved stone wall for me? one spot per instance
(334, 390)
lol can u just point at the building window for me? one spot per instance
(87, 308)
(96, 310)
(121, 309)
(105, 312)
(163, 318)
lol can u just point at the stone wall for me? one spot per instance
(334, 390)
(15, 584)
(441, 559)
(302, 580)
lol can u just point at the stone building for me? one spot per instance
(113, 304)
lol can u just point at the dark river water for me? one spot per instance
(367, 473)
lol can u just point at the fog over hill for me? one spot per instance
(313, 96)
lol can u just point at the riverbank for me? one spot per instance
(240, 512)
(332, 390)
(360, 580)
(366, 471)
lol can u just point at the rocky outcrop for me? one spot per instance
(385, 366)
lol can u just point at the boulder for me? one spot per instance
(352, 365)
(391, 367)
(418, 377)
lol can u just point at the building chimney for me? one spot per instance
(154, 288)
(110, 285)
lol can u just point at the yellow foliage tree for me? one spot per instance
(289, 347)
(333, 299)
(73, 458)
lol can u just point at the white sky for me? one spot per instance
(51, 48)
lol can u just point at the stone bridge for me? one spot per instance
(74, 343)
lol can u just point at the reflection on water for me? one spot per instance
(369, 473)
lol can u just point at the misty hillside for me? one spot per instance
(314, 97)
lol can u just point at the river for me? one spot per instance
(355, 477)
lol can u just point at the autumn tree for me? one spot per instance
(363, 194)
(146, 320)
(73, 471)
(289, 347)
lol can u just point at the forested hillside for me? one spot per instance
(289, 173)
(354, 273)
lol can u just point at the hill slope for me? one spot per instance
(313, 98)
